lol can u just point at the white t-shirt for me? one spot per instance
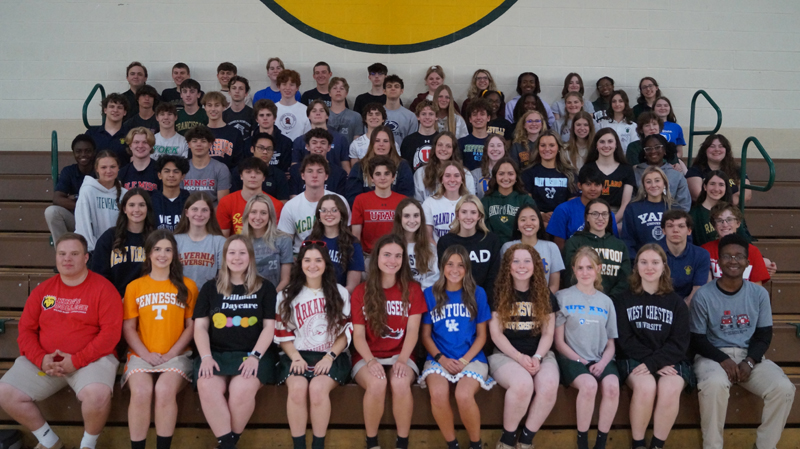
(625, 131)
(292, 120)
(174, 146)
(427, 279)
(421, 193)
(358, 149)
(551, 256)
(439, 213)
(308, 329)
(298, 216)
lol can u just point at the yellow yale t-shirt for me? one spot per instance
(161, 318)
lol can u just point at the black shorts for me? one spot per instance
(340, 369)
(626, 366)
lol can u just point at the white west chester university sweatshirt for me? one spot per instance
(96, 209)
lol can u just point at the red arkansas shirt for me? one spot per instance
(390, 344)
(755, 272)
(376, 215)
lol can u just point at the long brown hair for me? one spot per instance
(117, 183)
(728, 164)
(212, 226)
(572, 146)
(451, 110)
(252, 281)
(434, 166)
(346, 238)
(505, 296)
(485, 159)
(423, 251)
(563, 165)
(393, 154)
(334, 304)
(121, 228)
(374, 296)
(440, 190)
(468, 285)
(664, 281)
(518, 186)
(175, 267)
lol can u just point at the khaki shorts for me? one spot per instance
(386, 362)
(27, 378)
(498, 360)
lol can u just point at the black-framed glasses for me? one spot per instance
(597, 215)
(315, 242)
(735, 258)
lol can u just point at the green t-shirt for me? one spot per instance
(704, 232)
(501, 211)
(186, 122)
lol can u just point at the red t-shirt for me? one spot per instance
(231, 208)
(755, 272)
(396, 321)
(376, 215)
(84, 320)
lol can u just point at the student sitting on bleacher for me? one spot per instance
(689, 264)
(731, 326)
(111, 134)
(60, 216)
(168, 202)
(97, 206)
(146, 100)
(136, 76)
(141, 172)
(67, 334)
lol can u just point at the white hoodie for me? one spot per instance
(96, 209)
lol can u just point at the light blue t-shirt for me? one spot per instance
(551, 256)
(454, 331)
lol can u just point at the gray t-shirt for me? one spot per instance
(201, 260)
(551, 256)
(729, 321)
(212, 178)
(402, 122)
(347, 123)
(269, 260)
(590, 321)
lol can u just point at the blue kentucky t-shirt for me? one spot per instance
(454, 331)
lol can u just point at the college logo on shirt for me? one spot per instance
(48, 302)
(688, 270)
(288, 120)
(397, 32)
(64, 305)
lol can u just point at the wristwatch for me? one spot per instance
(332, 355)
(438, 356)
(255, 354)
(750, 364)
(537, 356)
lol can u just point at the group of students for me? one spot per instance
(386, 259)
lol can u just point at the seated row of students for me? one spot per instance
(641, 338)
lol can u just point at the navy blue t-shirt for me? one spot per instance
(337, 180)
(146, 179)
(471, 151)
(71, 179)
(168, 212)
(340, 149)
(116, 143)
(689, 269)
(548, 186)
(275, 183)
(282, 149)
(356, 260)
(228, 147)
(641, 224)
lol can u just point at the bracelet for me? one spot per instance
(203, 357)
(371, 360)
(463, 361)
(537, 356)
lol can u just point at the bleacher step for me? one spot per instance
(26, 188)
(23, 217)
(783, 252)
(29, 250)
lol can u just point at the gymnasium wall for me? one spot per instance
(745, 54)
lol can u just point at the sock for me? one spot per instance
(402, 442)
(236, 437)
(452, 444)
(372, 441)
(526, 437)
(317, 442)
(600, 442)
(46, 435)
(636, 444)
(299, 442)
(89, 441)
(163, 442)
(139, 444)
(655, 443)
(476, 444)
(583, 440)
(509, 438)
(226, 441)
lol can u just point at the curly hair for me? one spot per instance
(374, 296)
(468, 285)
(505, 296)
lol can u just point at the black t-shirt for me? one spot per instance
(133, 105)
(274, 184)
(416, 149)
(71, 179)
(228, 313)
(548, 186)
(313, 94)
(172, 96)
(336, 182)
(519, 332)
(367, 98)
(242, 120)
(146, 179)
(615, 183)
(501, 126)
(228, 147)
(696, 171)
(137, 121)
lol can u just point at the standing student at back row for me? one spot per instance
(402, 121)
(291, 118)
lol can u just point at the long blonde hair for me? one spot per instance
(588, 251)
(451, 109)
(252, 281)
(521, 134)
(455, 225)
(272, 232)
(664, 281)
(666, 196)
(563, 165)
(473, 90)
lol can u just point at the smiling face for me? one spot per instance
(318, 116)
(135, 209)
(71, 259)
(136, 77)
(586, 271)
(479, 118)
(433, 81)
(84, 154)
(410, 218)
(574, 85)
(733, 261)
(375, 119)
(318, 145)
(107, 169)
(224, 77)
(114, 111)
(527, 84)
(427, 118)
(590, 190)
(170, 176)
(677, 231)
(452, 179)
(648, 89)
(390, 258)
(617, 103)
(161, 255)
(140, 148)
(455, 270)
(179, 75)
(548, 148)
(214, 110)
(443, 100)
(533, 123)
(288, 89)
(581, 128)
(529, 103)
(528, 223)
(494, 102)
(654, 152)
(522, 266)
(662, 109)
(313, 264)
(198, 214)
(495, 149)
(258, 218)
(651, 128)
(382, 145)
(482, 81)
(329, 214)
(715, 188)
(506, 177)
(273, 70)
(598, 217)
(444, 148)
(654, 186)
(322, 75)
(605, 87)
(650, 266)
(573, 105)
(166, 119)
(726, 223)
(468, 215)
(237, 259)
(716, 152)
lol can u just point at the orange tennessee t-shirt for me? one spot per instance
(231, 210)
(161, 318)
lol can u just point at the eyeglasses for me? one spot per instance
(263, 149)
(531, 121)
(648, 86)
(328, 211)
(728, 258)
(597, 215)
(315, 242)
(729, 220)
(482, 78)
(654, 148)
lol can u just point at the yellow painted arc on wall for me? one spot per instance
(379, 26)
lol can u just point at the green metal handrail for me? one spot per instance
(692, 132)
(743, 172)
(102, 97)
(54, 158)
